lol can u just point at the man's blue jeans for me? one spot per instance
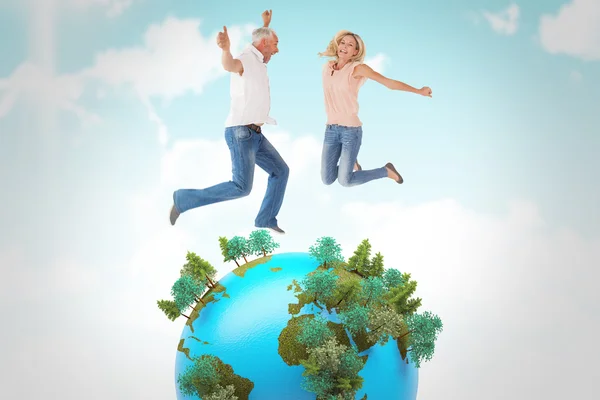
(341, 144)
(248, 148)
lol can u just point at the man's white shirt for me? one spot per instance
(250, 93)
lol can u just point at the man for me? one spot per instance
(250, 105)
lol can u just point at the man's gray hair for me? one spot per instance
(261, 33)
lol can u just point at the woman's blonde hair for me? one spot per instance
(332, 48)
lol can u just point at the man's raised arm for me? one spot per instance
(230, 64)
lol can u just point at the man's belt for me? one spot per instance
(255, 128)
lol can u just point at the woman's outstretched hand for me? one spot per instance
(425, 91)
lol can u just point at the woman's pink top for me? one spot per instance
(341, 94)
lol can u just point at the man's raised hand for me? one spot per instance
(223, 39)
(266, 16)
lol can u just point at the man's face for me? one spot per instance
(270, 47)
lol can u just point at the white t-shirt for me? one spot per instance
(250, 93)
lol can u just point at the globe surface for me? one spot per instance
(242, 326)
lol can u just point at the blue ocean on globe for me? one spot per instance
(242, 328)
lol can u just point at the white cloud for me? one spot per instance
(174, 59)
(40, 87)
(504, 22)
(574, 31)
(378, 62)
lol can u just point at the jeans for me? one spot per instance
(247, 149)
(341, 144)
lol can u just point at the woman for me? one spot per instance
(342, 78)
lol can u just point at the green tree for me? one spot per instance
(222, 393)
(326, 250)
(170, 309)
(314, 331)
(373, 290)
(321, 285)
(238, 247)
(319, 384)
(384, 323)
(423, 329)
(225, 251)
(361, 258)
(351, 364)
(348, 291)
(374, 267)
(185, 291)
(328, 354)
(399, 296)
(334, 372)
(392, 278)
(199, 269)
(260, 241)
(355, 318)
(200, 378)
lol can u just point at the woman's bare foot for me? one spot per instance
(392, 173)
(357, 166)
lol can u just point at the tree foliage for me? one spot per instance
(224, 249)
(361, 257)
(200, 378)
(198, 269)
(314, 331)
(237, 247)
(348, 292)
(384, 323)
(185, 292)
(170, 309)
(326, 250)
(261, 243)
(362, 262)
(334, 371)
(424, 329)
(355, 318)
(399, 296)
(222, 393)
(321, 286)
(375, 266)
(392, 278)
(373, 290)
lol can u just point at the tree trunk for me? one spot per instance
(238, 264)
(343, 298)
(185, 315)
(211, 282)
(400, 337)
(264, 253)
(245, 258)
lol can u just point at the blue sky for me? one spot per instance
(107, 106)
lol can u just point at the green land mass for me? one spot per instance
(241, 270)
(195, 338)
(276, 269)
(184, 350)
(243, 386)
(291, 351)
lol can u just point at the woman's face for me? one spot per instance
(347, 48)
